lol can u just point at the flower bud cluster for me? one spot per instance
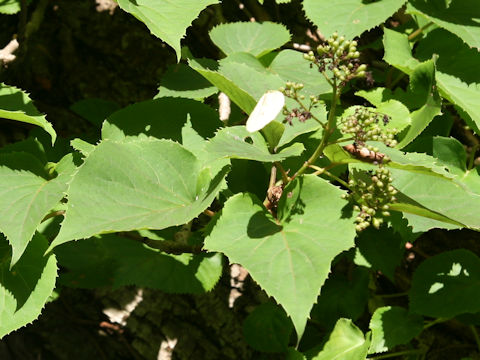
(292, 89)
(364, 125)
(341, 57)
(303, 113)
(373, 197)
(302, 116)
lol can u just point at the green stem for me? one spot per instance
(53, 214)
(419, 31)
(285, 177)
(475, 335)
(36, 19)
(396, 80)
(342, 140)
(321, 171)
(399, 353)
(273, 176)
(435, 322)
(209, 213)
(471, 159)
(327, 78)
(23, 19)
(385, 296)
(326, 135)
(299, 102)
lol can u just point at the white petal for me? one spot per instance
(266, 110)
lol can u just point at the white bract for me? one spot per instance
(266, 110)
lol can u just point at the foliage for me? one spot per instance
(166, 192)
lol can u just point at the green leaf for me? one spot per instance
(237, 142)
(446, 285)
(383, 100)
(245, 79)
(434, 213)
(421, 219)
(443, 196)
(268, 329)
(166, 19)
(293, 354)
(82, 146)
(157, 184)
(15, 104)
(248, 73)
(289, 65)
(26, 197)
(196, 144)
(381, 96)
(458, 17)
(95, 110)
(457, 76)
(411, 162)
(162, 118)
(30, 145)
(25, 289)
(415, 162)
(398, 51)
(289, 259)
(350, 18)
(471, 179)
(255, 38)
(346, 342)
(398, 54)
(450, 152)
(9, 7)
(298, 128)
(383, 249)
(273, 133)
(342, 296)
(392, 326)
(421, 118)
(111, 260)
(399, 115)
(248, 176)
(208, 69)
(181, 80)
(422, 81)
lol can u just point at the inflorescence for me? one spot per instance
(292, 90)
(372, 194)
(364, 125)
(341, 57)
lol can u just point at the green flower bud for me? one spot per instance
(376, 222)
